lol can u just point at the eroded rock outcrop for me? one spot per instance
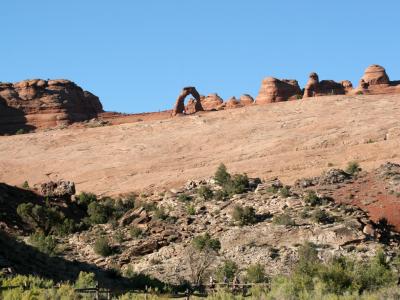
(41, 103)
(179, 107)
(314, 87)
(246, 99)
(211, 102)
(275, 90)
(376, 81)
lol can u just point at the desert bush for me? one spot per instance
(283, 219)
(85, 280)
(321, 216)
(44, 243)
(184, 198)
(205, 242)
(353, 168)
(119, 236)
(191, 210)
(84, 199)
(135, 232)
(205, 192)
(40, 217)
(227, 270)
(102, 247)
(25, 185)
(160, 213)
(98, 213)
(256, 274)
(237, 185)
(244, 215)
(285, 191)
(222, 176)
(312, 198)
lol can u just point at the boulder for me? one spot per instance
(314, 87)
(232, 103)
(60, 188)
(246, 99)
(311, 88)
(38, 103)
(275, 90)
(211, 102)
(375, 74)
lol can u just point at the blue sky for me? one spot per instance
(137, 55)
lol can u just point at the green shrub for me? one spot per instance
(119, 236)
(256, 274)
(66, 227)
(285, 191)
(135, 232)
(321, 216)
(244, 215)
(20, 131)
(45, 244)
(85, 280)
(221, 175)
(205, 242)
(312, 198)
(184, 198)
(191, 210)
(25, 185)
(237, 185)
(84, 199)
(102, 247)
(205, 192)
(283, 219)
(98, 213)
(353, 168)
(160, 213)
(272, 189)
(227, 270)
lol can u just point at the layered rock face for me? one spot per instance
(275, 90)
(314, 87)
(376, 81)
(211, 102)
(40, 103)
(180, 108)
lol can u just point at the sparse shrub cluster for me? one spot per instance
(244, 215)
(353, 168)
(102, 246)
(231, 184)
(205, 242)
(283, 219)
(312, 198)
(205, 192)
(46, 244)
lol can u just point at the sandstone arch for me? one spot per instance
(179, 107)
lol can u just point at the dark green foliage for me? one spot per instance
(283, 219)
(221, 175)
(98, 213)
(205, 242)
(205, 192)
(102, 247)
(321, 216)
(237, 185)
(66, 227)
(256, 274)
(25, 185)
(184, 198)
(353, 168)
(85, 280)
(84, 199)
(244, 215)
(40, 217)
(135, 232)
(312, 198)
(227, 270)
(45, 244)
(21, 131)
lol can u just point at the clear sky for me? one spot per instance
(137, 55)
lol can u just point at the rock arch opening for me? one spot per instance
(179, 107)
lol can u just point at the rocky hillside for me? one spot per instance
(32, 104)
(253, 222)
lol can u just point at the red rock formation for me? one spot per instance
(375, 74)
(179, 107)
(314, 87)
(376, 81)
(39, 103)
(211, 102)
(232, 103)
(246, 99)
(275, 90)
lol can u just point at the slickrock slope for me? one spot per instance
(37, 103)
(287, 139)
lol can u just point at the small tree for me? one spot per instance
(102, 247)
(227, 270)
(221, 175)
(312, 198)
(353, 168)
(85, 280)
(244, 215)
(256, 274)
(205, 192)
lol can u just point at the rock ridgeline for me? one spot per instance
(38, 103)
(374, 81)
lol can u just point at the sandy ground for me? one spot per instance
(289, 139)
